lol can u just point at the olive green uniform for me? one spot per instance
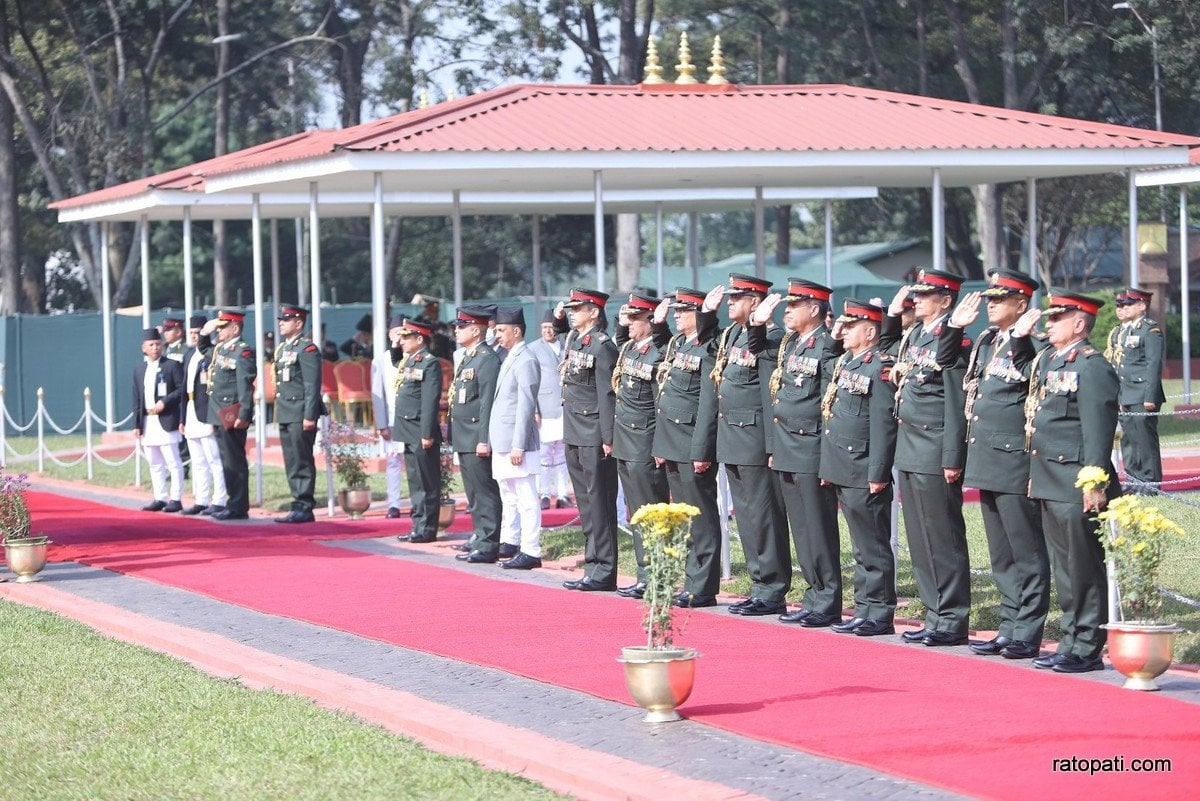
(231, 380)
(1136, 351)
(298, 398)
(1073, 419)
(418, 392)
(471, 396)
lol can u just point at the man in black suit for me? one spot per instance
(157, 391)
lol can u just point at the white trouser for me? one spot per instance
(521, 516)
(208, 478)
(165, 459)
(395, 469)
(553, 479)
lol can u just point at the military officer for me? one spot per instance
(415, 425)
(471, 394)
(806, 357)
(857, 449)
(1135, 348)
(298, 406)
(931, 451)
(641, 336)
(172, 333)
(742, 373)
(996, 386)
(588, 413)
(1072, 416)
(230, 404)
(685, 438)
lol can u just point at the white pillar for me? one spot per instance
(1185, 294)
(456, 232)
(1133, 229)
(274, 269)
(598, 190)
(106, 311)
(693, 248)
(536, 236)
(1031, 237)
(301, 284)
(378, 305)
(189, 289)
(829, 243)
(314, 262)
(144, 228)
(938, 202)
(760, 256)
(658, 245)
(260, 411)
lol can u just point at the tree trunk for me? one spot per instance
(10, 240)
(220, 148)
(629, 250)
(990, 225)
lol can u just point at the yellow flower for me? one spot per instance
(1139, 547)
(1091, 478)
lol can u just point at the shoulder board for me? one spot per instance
(311, 348)
(247, 353)
(866, 359)
(966, 342)
(1151, 323)
(1088, 351)
(602, 337)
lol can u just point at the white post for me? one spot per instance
(658, 245)
(41, 429)
(939, 221)
(274, 269)
(260, 411)
(760, 255)
(456, 233)
(1133, 230)
(145, 241)
(137, 462)
(106, 324)
(829, 243)
(1031, 237)
(1185, 294)
(189, 291)
(723, 508)
(3, 422)
(314, 258)
(301, 284)
(87, 428)
(535, 226)
(378, 305)
(598, 190)
(693, 248)
(325, 423)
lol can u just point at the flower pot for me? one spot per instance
(1141, 650)
(354, 502)
(659, 680)
(26, 558)
(446, 514)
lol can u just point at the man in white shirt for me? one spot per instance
(208, 478)
(157, 391)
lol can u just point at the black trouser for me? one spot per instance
(812, 513)
(298, 463)
(1020, 564)
(1139, 445)
(594, 479)
(937, 543)
(643, 483)
(483, 501)
(704, 558)
(424, 468)
(762, 528)
(231, 442)
(869, 519)
(1077, 558)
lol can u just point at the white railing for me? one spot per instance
(41, 418)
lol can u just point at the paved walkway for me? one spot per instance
(570, 741)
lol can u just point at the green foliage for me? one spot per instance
(347, 450)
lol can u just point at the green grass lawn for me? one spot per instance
(88, 717)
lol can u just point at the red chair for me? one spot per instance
(353, 377)
(329, 386)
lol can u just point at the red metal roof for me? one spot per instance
(674, 118)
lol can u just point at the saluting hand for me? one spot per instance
(660, 311)
(967, 310)
(560, 310)
(765, 309)
(1026, 322)
(896, 308)
(713, 299)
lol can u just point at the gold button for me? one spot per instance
(1007, 445)
(976, 417)
(1034, 452)
(1060, 457)
(972, 440)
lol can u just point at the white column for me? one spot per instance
(106, 311)
(658, 245)
(598, 190)
(1185, 294)
(378, 305)
(314, 262)
(144, 228)
(829, 243)
(1133, 229)
(456, 232)
(189, 289)
(1031, 235)
(693, 248)
(301, 284)
(274, 269)
(760, 256)
(938, 202)
(260, 411)
(536, 256)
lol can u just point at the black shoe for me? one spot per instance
(560, 504)
(545, 503)
(874, 628)
(795, 616)
(686, 600)
(587, 585)
(229, 514)
(212, 510)
(991, 647)
(522, 561)
(939, 638)
(478, 557)
(848, 626)
(508, 550)
(571, 584)
(155, 506)
(742, 604)
(915, 636)
(194, 510)
(1016, 649)
(173, 506)
(420, 540)
(393, 513)
(760, 608)
(633, 590)
(1079, 664)
(1048, 661)
(461, 546)
(820, 620)
(296, 516)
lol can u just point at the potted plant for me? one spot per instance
(1135, 537)
(24, 552)
(345, 449)
(660, 674)
(446, 510)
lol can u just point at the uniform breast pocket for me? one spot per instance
(680, 416)
(468, 391)
(1060, 454)
(854, 404)
(850, 444)
(637, 422)
(1008, 443)
(805, 426)
(583, 410)
(742, 418)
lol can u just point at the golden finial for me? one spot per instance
(716, 71)
(653, 71)
(685, 67)
(423, 99)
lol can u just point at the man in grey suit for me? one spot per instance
(513, 437)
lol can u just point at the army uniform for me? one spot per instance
(175, 350)
(686, 432)
(588, 413)
(1136, 351)
(857, 447)
(996, 385)
(636, 387)
(1072, 416)
(930, 438)
(797, 388)
(418, 393)
(297, 367)
(231, 381)
(471, 394)
(742, 373)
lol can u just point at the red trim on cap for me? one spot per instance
(1088, 306)
(861, 313)
(231, 317)
(810, 292)
(1012, 283)
(745, 283)
(1135, 295)
(641, 303)
(579, 296)
(687, 297)
(936, 280)
(465, 317)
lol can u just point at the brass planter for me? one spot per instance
(659, 680)
(446, 512)
(354, 502)
(1141, 651)
(26, 559)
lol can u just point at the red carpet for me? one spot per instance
(974, 726)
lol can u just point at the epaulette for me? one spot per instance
(417, 358)
(247, 353)
(1088, 351)
(311, 348)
